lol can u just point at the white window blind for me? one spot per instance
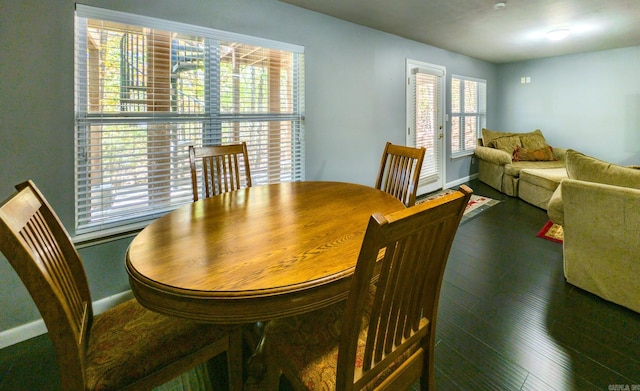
(426, 104)
(146, 89)
(468, 113)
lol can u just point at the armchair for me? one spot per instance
(598, 207)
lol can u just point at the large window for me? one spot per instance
(146, 89)
(468, 113)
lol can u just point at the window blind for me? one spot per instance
(468, 113)
(146, 89)
(426, 96)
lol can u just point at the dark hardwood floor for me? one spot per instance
(507, 319)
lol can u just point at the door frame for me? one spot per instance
(440, 144)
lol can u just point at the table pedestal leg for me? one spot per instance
(256, 365)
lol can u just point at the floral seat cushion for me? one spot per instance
(119, 352)
(308, 345)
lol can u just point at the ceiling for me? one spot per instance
(514, 33)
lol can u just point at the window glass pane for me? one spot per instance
(426, 121)
(455, 95)
(132, 69)
(255, 80)
(468, 102)
(188, 74)
(455, 134)
(144, 94)
(470, 131)
(470, 96)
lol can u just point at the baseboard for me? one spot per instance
(36, 328)
(460, 181)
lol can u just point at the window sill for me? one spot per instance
(105, 236)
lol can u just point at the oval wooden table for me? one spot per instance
(255, 254)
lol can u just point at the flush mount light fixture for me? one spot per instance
(558, 34)
(499, 5)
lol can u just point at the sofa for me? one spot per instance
(598, 207)
(502, 156)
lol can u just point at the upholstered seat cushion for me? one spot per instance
(514, 168)
(536, 186)
(308, 345)
(548, 179)
(119, 351)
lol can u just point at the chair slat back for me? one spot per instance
(35, 242)
(416, 244)
(399, 172)
(224, 168)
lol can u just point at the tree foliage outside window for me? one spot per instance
(146, 89)
(468, 113)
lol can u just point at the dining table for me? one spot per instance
(256, 253)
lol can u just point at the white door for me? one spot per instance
(425, 120)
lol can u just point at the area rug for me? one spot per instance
(552, 232)
(476, 205)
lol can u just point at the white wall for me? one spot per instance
(589, 102)
(355, 102)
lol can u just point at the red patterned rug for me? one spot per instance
(476, 205)
(552, 231)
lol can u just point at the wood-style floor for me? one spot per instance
(507, 320)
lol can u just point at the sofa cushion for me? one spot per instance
(587, 168)
(547, 178)
(534, 139)
(506, 143)
(527, 154)
(536, 186)
(514, 168)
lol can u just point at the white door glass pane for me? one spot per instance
(425, 120)
(426, 123)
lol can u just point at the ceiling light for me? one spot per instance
(499, 5)
(558, 34)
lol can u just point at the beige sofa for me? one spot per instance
(599, 209)
(501, 157)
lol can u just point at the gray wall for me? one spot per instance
(589, 102)
(355, 102)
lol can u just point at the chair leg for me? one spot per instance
(271, 380)
(427, 380)
(234, 360)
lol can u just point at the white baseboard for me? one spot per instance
(35, 328)
(460, 181)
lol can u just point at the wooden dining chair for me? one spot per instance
(400, 172)
(125, 348)
(383, 335)
(222, 168)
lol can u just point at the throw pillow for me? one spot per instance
(587, 168)
(490, 135)
(533, 141)
(542, 154)
(507, 143)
